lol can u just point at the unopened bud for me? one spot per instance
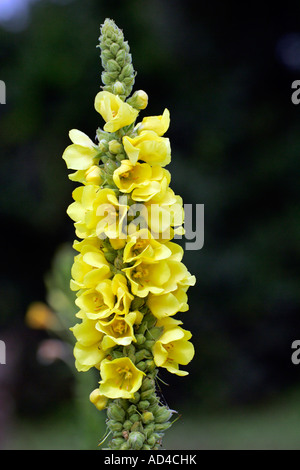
(118, 88)
(115, 412)
(138, 100)
(117, 442)
(100, 401)
(114, 425)
(113, 66)
(103, 145)
(127, 424)
(115, 146)
(135, 417)
(147, 384)
(163, 414)
(147, 394)
(136, 440)
(143, 405)
(163, 426)
(147, 417)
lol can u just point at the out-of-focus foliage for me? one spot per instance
(225, 77)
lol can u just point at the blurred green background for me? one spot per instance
(225, 72)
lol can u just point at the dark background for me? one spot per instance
(225, 73)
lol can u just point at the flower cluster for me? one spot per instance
(128, 275)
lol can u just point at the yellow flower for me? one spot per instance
(114, 111)
(141, 180)
(108, 215)
(97, 212)
(142, 246)
(148, 147)
(83, 153)
(96, 303)
(100, 401)
(123, 296)
(79, 210)
(119, 330)
(158, 124)
(89, 269)
(87, 350)
(165, 215)
(168, 304)
(173, 347)
(157, 278)
(120, 378)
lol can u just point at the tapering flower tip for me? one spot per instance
(138, 100)
(118, 75)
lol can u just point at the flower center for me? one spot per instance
(140, 245)
(125, 376)
(119, 327)
(126, 174)
(97, 301)
(140, 272)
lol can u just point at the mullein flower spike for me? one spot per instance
(128, 274)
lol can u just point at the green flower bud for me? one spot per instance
(116, 354)
(123, 403)
(137, 303)
(115, 146)
(147, 394)
(149, 343)
(163, 414)
(147, 384)
(135, 417)
(143, 405)
(116, 442)
(127, 424)
(136, 440)
(142, 354)
(121, 57)
(147, 417)
(120, 157)
(163, 426)
(110, 166)
(131, 410)
(103, 145)
(150, 365)
(127, 71)
(154, 333)
(151, 440)
(141, 365)
(113, 66)
(115, 412)
(106, 78)
(136, 398)
(137, 426)
(114, 425)
(114, 48)
(109, 256)
(106, 54)
(125, 446)
(154, 408)
(139, 338)
(118, 88)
